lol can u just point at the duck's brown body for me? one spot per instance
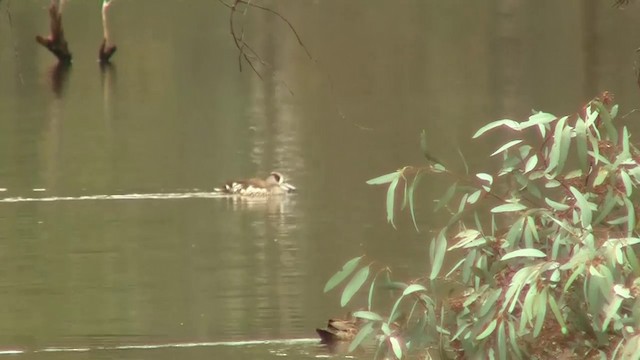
(338, 330)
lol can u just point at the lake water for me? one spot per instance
(111, 244)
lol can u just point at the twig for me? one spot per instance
(293, 30)
(15, 44)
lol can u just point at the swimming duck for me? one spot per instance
(338, 330)
(273, 184)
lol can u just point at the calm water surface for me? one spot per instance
(130, 251)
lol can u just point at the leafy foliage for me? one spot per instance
(554, 261)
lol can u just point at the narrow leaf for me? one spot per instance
(524, 253)
(505, 122)
(583, 204)
(506, 146)
(391, 191)
(508, 208)
(346, 270)
(383, 179)
(354, 285)
(395, 346)
(474, 197)
(411, 196)
(556, 205)
(565, 144)
(581, 145)
(539, 118)
(368, 315)
(607, 120)
(413, 288)
(446, 197)
(440, 250)
(488, 330)
(364, 332)
(531, 163)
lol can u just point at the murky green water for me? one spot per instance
(103, 264)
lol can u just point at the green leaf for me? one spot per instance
(625, 143)
(423, 142)
(412, 189)
(474, 197)
(446, 197)
(464, 162)
(368, 315)
(539, 118)
(354, 285)
(631, 217)
(488, 178)
(346, 270)
(626, 181)
(581, 145)
(523, 253)
(508, 208)
(371, 291)
(610, 201)
(611, 311)
(531, 163)
(541, 306)
(607, 121)
(488, 330)
(391, 191)
(413, 288)
(465, 236)
(556, 205)
(383, 179)
(557, 313)
(364, 332)
(554, 155)
(438, 167)
(583, 204)
(513, 340)
(502, 342)
(601, 176)
(565, 144)
(395, 346)
(506, 146)
(440, 250)
(492, 125)
(490, 301)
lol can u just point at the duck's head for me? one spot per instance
(276, 178)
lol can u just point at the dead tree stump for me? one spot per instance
(56, 42)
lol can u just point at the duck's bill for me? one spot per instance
(288, 187)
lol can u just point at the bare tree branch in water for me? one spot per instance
(55, 41)
(246, 52)
(107, 48)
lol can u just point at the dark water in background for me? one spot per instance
(175, 115)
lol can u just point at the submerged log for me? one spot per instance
(107, 48)
(55, 42)
(106, 51)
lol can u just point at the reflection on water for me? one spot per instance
(59, 74)
(127, 244)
